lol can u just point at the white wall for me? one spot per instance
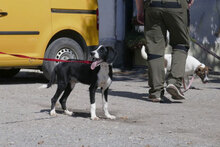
(112, 26)
(205, 22)
(107, 19)
(120, 24)
(111, 20)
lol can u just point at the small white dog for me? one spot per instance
(193, 66)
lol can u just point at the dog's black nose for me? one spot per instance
(92, 53)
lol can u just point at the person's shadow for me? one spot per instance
(139, 96)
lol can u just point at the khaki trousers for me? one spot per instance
(160, 16)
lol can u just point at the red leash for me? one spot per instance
(46, 59)
(190, 83)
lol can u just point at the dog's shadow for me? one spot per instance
(76, 113)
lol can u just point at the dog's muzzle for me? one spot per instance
(205, 80)
(94, 55)
(95, 60)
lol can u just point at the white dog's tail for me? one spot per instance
(143, 53)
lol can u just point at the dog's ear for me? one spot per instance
(112, 54)
(209, 68)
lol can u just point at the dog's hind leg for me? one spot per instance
(64, 97)
(105, 104)
(92, 90)
(60, 89)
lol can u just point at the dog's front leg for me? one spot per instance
(105, 105)
(92, 90)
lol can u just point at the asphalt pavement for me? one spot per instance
(25, 119)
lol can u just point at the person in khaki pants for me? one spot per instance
(158, 17)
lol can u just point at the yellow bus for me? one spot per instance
(57, 29)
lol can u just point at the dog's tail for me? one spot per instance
(52, 80)
(143, 53)
(52, 77)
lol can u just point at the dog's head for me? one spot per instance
(202, 71)
(103, 54)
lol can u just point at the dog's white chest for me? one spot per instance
(104, 80)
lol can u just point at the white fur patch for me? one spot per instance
(202, 65)
(105, 108)
(143, 53)
(67, 112)
(104, 80)
(44, 86)
(53, 112)
(96, 54)
(206, 78)
(93, 112)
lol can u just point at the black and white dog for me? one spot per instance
(97, 74)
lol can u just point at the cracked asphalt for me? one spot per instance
(25, 119)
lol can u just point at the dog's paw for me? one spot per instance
(111, 117)
(53, 112)
(94, 118)
(67, 112)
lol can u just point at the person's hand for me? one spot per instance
(190, 3)
(140, 17)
